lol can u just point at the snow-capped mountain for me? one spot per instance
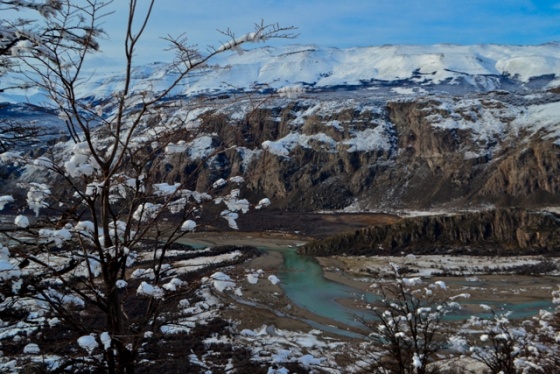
(482, 67)
(404, 69)
(374, 128)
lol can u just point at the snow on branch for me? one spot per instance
(261, 33)
(37, 193)
(188, 225)
(7, 269)
(47, 9)
(189, 57)
(4, 200)
(60, 25)
(263, 203)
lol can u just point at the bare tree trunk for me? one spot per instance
(121, 209)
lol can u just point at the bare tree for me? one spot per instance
(46, 24)
(17, 134)
(409, 329)
(105, 200)
(514, 347)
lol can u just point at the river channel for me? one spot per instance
(303, 282)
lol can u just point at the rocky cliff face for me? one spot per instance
(358, 151)
(416, 153)
(500, 231)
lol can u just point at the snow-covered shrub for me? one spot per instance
(408, 330)
(100, 198)
(508, 346)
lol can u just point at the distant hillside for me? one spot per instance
(390, 69)
(501, 231)
(364, 129)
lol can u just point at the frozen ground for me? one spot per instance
(278, 343)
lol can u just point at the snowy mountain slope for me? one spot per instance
(317, 67)
(475, 67)
(353, 150)
(370, 128)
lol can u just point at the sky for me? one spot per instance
(340, 23)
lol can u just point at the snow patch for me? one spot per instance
(88, 343)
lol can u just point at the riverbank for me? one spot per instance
(475, 272)
(264, 303)
(521, 295)
(501, 290)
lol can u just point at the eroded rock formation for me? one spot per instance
(416, 153)
(360, 153)
(499, 231)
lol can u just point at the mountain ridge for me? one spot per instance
(416, 143)
(440, 67)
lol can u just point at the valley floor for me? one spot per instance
(263, 308)
(279, 333)
(493, 280)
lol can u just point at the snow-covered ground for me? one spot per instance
(430, 265)
(270, 347)
(295, 70)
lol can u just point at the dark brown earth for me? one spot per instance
(496, 232)
(302, 225)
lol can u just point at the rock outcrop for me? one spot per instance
(414, 153)
(500, 231)
(333, 151)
